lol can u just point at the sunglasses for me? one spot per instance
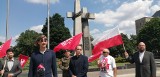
(43, 40)
(105, 52)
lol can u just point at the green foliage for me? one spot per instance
(120, 60)
(58, 31)
(25, 43)
(1, 43)
(94, 63)
(129, 44)
(150, 35)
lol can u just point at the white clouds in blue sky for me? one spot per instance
(125, 15)
(37, 28)
(42, 1)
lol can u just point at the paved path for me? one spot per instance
(121, 73)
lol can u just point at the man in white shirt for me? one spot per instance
(107, 65)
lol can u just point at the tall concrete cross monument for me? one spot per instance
(81, 25)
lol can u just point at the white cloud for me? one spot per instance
(2, 39)
(125, 15)
(42, 1)
(94, 31)
(37, 28)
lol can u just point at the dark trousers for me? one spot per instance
(66, 73)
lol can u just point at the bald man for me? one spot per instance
(107, 65)
(144, 62)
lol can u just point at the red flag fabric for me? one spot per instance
(69, 44)
(23, 59)
(4, 47)
(108, 39)
(94, 57)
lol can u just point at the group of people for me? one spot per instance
(43, 63)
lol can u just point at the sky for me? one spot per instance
(31, 14)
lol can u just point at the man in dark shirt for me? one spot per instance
(43, 58)
(78, 65)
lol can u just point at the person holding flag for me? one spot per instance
(10, 66)
(43, 60)
(107, 65)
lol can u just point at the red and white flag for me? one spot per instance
(69, 44)
(94, 57)
(4, 47)
(23, 59)
(108, 39)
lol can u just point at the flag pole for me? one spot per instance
(7, 20)
(124, 48)
(48, 34)
(123, 42)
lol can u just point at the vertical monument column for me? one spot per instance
(76, 16)
(86, 34)
(81, 25)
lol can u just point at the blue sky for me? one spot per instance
(31, 14)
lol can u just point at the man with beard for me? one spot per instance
(43, 60)
(10, 66)
(144, 62)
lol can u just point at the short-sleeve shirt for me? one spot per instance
(107, 65)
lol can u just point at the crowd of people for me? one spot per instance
(43, 63)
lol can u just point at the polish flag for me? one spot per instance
(69, 44)
(23, 59)
(94, 57)
(108, 39)
(4, 47)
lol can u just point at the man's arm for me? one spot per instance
(85, 68)
(19, 69)
(30, 73)
(54, 65)
(114, 67)
(61, 66)
(153, 66)
(71, 68)
(129, 58)
(115, 72)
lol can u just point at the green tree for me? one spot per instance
(1, 43)
(129, 44)
(58, 31)
(25, 43)
(150, 35)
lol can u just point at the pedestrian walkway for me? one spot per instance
(121, 73)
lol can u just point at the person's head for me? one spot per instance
(105, 52)
(78, 50)
(67, 53)
(141, 47)
(41, 41)
(10, 53)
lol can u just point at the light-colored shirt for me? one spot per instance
(141, 55)
(108, 63)
(42, 52)
(10, 64)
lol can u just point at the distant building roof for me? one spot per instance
(156, 14)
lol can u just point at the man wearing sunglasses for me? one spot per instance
(107, 65)
(43, 60)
